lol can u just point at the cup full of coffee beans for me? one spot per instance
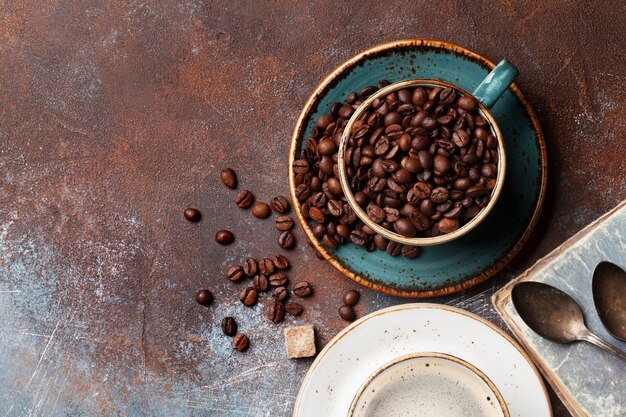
(422, 162)
(398, 166)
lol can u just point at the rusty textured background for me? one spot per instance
(116, 115)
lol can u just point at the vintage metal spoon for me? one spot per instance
(553, 314)
(609, 295)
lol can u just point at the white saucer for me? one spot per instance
(348, 360)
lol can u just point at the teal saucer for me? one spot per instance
(460, 264)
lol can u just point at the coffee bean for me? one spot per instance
(367, 91)
(380, 242)
(278, 279)
(303, 192)
(324, 120)
(462, 184)
(280, 204)
(330, 241)
(475, 191)
(229, 178)
(240, 342)
(229, 326)
(448, 225)
(467, 103)
(248, 296)
(439, 195)
(224, 237)
(244, 199)
(303, 289)
(351, 298)
(250, 267)
(460, 138)
(280, 293)
(204, 297)
(317, 215)
(358, 237)
(347, 313)
(394, 248)
(276, 311)
(411, 252)
(441, 164)
(334, 207)
(404, 227)
(375, 213)
(294, 309)
(261, 210)
(266, 267)
(192, 215)
(419, 220)
(334, 186)
(260, 283)
(421, 190)
(284, 223)
(235, 273)
(454, 212)
(281, 262)
(489, 170)
(319, 230)
(286, 240)
(300, 166)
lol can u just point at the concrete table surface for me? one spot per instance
(115, 116)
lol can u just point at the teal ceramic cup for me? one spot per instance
(486, 94)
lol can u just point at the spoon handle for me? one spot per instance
(602, 344)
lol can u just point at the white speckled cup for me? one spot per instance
(426, 385)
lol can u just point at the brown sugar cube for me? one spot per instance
(300, 341)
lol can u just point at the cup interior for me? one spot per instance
(389, 234)
(428, 384)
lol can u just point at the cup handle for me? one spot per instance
(495, 83)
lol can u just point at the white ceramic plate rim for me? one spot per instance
(519, 394)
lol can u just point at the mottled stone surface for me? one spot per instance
(115, 116)
(591, 379)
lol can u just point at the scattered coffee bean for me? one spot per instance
(261, 210)
(260, 283)
(235, 273)
(276, 311)
(240, 342)
(229, 326)
(266, 267)
(244, 199)
(347, 313)
(351, 298)
(294, 309)
(248, 296)
(192, 214)
(280, 293)
(281, 262)
(224, 237)
(280, 204)
(303, 289)
(229, 178)
(284, 223)
(286, 240)
(250, 267)
(278, 279)
(204, 297)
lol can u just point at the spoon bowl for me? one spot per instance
(550, 312)
(609, 296)
(554, 315)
